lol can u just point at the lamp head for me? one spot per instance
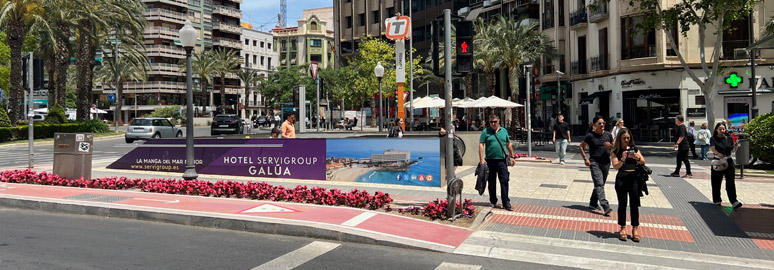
(379, 70)
(188, 35)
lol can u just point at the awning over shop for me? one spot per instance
(590, 99)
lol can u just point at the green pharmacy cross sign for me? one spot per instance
(733, 80)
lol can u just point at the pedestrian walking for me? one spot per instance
(562, 129)
(625, 157)
(288, 129)
(703, 140)
(681, 145)
(599, 142)
(618, 126)
(277, 120)
(397, 130)
(691, 137)
(723, 146)
(492, 151)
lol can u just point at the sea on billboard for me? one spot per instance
(407, 161)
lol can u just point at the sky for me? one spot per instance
(264, 12)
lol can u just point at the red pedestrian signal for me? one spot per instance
(464, 47)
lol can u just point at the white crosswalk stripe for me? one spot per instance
(457, 266)
(299, 256)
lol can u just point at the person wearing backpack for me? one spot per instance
(703, 140)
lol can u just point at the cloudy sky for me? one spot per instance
(264, 12)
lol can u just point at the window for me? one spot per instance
(561, 12)
(313, 26)
(255, 43)
(261, 44)
(268, 44)
(269, 62)
(349, 21)
(375, 16)
(361, 19)
(699, 100)
(315, 58)
(247, 42)
(255, 58)
(390, 12)
(315, 43)
(262, 60)
(247, 60)
(675, 37)
(635, 43)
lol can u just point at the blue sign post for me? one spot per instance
(111, 97)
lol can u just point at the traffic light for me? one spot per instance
(464, 47)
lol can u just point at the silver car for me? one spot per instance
(147, 128)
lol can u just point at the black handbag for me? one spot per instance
(508, 159)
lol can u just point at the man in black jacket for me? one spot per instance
(682, 147)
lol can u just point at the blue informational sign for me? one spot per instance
(111, 97)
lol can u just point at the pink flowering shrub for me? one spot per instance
(230, 189)
(437, 209)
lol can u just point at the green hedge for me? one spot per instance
(43, 131)
(761, 130)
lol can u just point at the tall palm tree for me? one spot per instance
(132, 65)
(486, 53)
(95, 21)
(202, 65)
(515, 42)
(250, 78)
(18, 17)
(227, 62)
(58, 13)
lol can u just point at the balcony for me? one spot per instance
(229, 28)
(180, 3)
(164, 51)
(600, 62)
(598, 12)
(639, 52)
(224, 42)
(730, 45)
(160, 32)
(578, 17)
(228, 11)
(155, 14)
(165, 69)
(579, 67)
(155, 87)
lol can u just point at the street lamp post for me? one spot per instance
(559, 91)
(188, 38)
(379, 72)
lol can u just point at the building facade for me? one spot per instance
(259, 54)
(311, 41)
(218, 24)
(616, 72)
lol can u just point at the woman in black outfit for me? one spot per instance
(722, 146)
(625, 157)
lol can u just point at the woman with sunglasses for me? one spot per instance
(722, 146)
(599, 142)
(625, 158)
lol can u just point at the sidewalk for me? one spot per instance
(550, 207)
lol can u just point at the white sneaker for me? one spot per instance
(736, 205)
(561, 163)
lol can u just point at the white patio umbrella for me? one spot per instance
(460, 103)
(472, 103)
(493, 102)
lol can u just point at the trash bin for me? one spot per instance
(72, 155)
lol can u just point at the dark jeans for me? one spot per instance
(626, 185)
(498, 168)
(682, 157)
(599, 172)
(717, 179)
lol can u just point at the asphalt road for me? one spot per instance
(39, 240)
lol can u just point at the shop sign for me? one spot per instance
(649, 96)
(632, 82)
(696, 112)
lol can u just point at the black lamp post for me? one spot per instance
(188, 38)
(379, 72)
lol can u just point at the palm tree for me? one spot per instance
(203, 65)
(18, 17)
(250, 78)
(515, 42)
(486, 53)
(58, 13)
(226, 62)
(132, 65)
(95, 21)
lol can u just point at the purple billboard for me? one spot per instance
(273, 158)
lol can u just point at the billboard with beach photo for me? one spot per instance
(406, 161)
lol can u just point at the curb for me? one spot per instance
(264, 225)
(25, 142)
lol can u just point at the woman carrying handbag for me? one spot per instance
(626, 157)
(723, 165)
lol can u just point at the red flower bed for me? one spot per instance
(250, 190)
(524, 155)
(437, 209)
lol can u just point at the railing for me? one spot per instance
(579, 67)
(598, 11)
(161, 49)
(548, 22)
(224, 10)
(165, 13)
(730, 45)
(182, 3)
(579, 16)
(600, 62)
(639, 52)
(227, 27)
(162, 31)
(227, 43)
